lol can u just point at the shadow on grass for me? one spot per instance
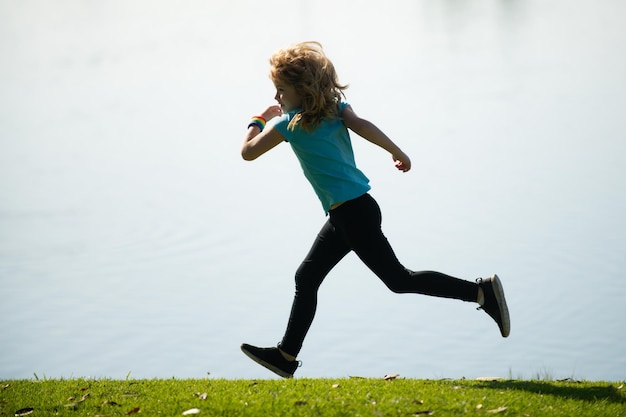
(568, 390)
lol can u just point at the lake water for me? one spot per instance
(134, 239)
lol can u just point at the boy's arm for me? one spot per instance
(373, 134)
(256, 143)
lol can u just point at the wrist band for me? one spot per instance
(258, 121)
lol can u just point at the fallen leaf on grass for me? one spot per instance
(133, 411)
(191, 411)
(6, 386)
(496, 410)
(107, 402)
(620, 387)
(569, 380)
(424, 413)
(75, 403)
(335, 385)
(202, 396)
(391, 377)
(24, 411)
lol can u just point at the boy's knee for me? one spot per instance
(398, 280)
(396, 286)
(305, 281)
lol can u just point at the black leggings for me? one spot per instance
(355, 226)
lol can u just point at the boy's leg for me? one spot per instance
(327, 250)
(360, 222)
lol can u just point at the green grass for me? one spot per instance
(312, 397)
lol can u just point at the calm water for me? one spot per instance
(133, 238)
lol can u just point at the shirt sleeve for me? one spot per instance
(280, 123)
(342, 106)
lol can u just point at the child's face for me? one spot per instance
(286, 96)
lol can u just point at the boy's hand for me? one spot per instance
(271, 112)
(402, 162)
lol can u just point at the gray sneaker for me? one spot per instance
(272, 359)
(495, 304)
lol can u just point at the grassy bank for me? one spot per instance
(311, 397)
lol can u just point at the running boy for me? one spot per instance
(313, 119)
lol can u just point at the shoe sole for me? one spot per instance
(267, 365)
(498, 291)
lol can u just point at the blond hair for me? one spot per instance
(305, 67)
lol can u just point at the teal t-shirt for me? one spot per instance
(327, 159)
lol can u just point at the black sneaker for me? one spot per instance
(272, 359)
(495, 304)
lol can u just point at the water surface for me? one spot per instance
(133, 238)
